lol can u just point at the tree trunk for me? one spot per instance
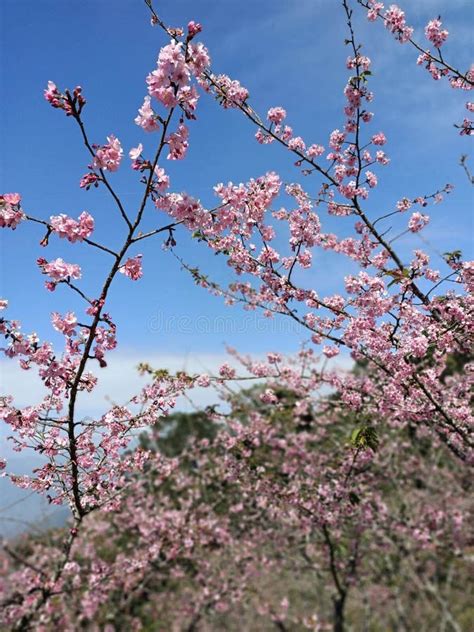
(339, 605)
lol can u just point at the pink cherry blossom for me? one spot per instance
(172, 70)
(404, 204)
(73, 230)
(203, 380)
(229, 91)
(394, 19)
(227, 371)
(336, 139)
(435, 34)
(305, 258)
(382, 158)
(65, 324)
(11, 213)
(88, 180)
(178, 143)
(162, 181)
(276, 115)
(330, 351)
(12, 198)
(269, 397)
(72, 104)
(135, 152)
(51, 93)
(315, 150)
(296, 144)
(193, 29)
(132, 268)
(146, 118)
(374, 10)
(379, 139)
(58, 270)
(371, 179)
(417, 222)
(109, 156)
(199, 58)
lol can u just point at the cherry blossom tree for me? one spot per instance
(282, 474)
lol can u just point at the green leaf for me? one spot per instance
(365, 437)
(198, 234)
(455, 255)
(397, 275)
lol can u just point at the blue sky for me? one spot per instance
(286, 53)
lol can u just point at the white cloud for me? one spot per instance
(120, 380)
(117, 382)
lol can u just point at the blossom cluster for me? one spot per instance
(229, 92)
(170, 84)
(395, 22)
(435, 34)
(271, 484)
(132, 268)
(108, 156)
(71, 229)
(11, 213)
(146, 118)
(71, 104)
(58, 270)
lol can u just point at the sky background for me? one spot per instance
(288, 53)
